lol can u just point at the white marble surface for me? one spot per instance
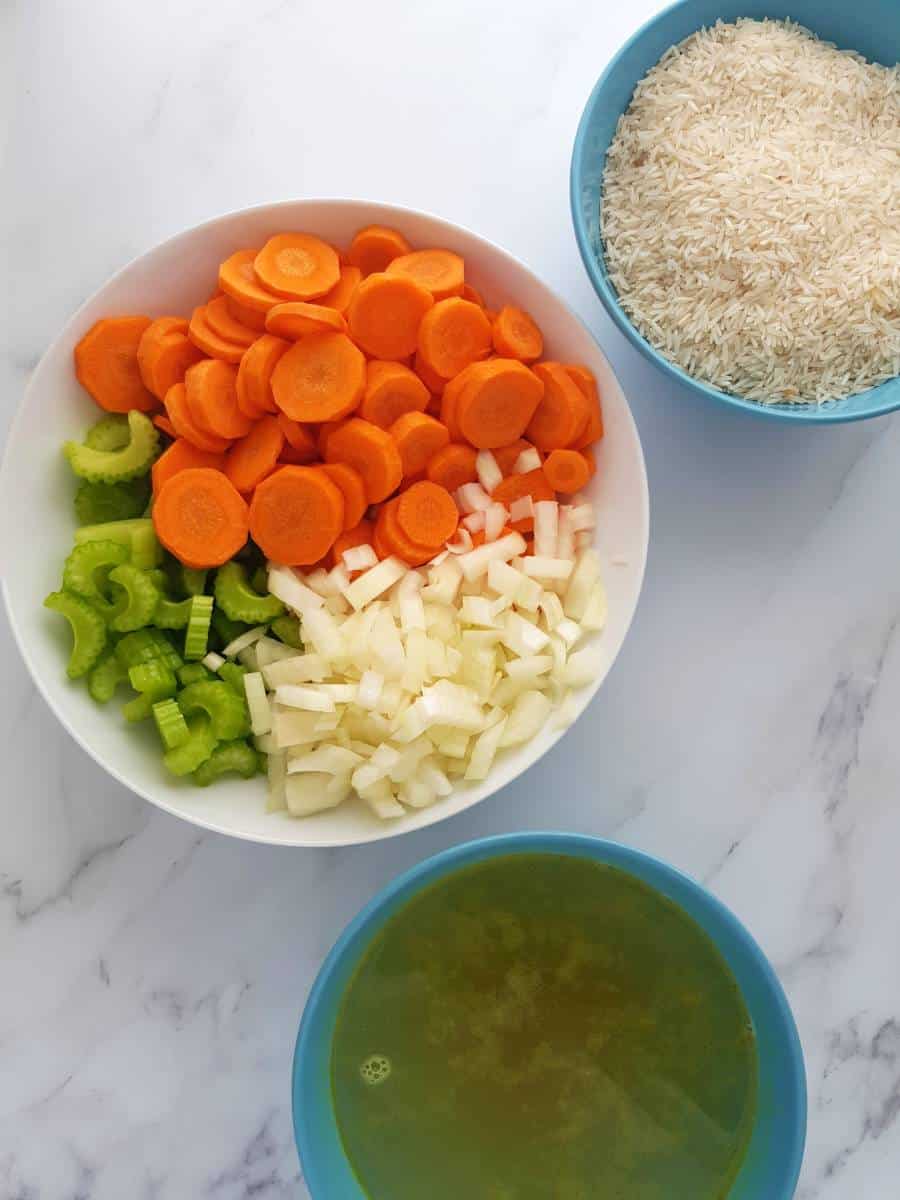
(151, 977)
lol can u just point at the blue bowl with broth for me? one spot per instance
(870, 27)
(777, 1125)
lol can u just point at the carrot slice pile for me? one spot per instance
(297, 318)
(392, 389)
(205, 337)
(106, 364)
(497, 404)
(221, 322)
(251, 459)
(249, 317)
(185, 426)
(352, 488)
(200, 517)
(359, 535)
(514, 487)
(340, 295)
(296, 515)
(237, 279)
(427, 514)
(255, 374)
(385, 314)
(210, 388)
(593, 430)
(375, 247)
(164, 353)
(562, 413)
(507, 456)
(321, 378)
(515, 335)
(297, 266)
(371, 452)
(180, 456)
(453, 334)
(298, 437)
(566, 470)
(453, 466)
(440, 272)
(418, 437)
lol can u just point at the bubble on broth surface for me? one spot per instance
(375, 1069)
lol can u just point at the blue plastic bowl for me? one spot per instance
(772, 1165)
(871, 27)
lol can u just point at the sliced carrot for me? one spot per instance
(533, 484)
(340, 295)
(371, 452)
(497, 403)
(164, 354)
(210, 387)
(409, 480)
(589, 457)
(221, 322)
(203, 335)
(390, 536)
(506, 456)
(440, 272)
(292, 457)
(453, 466)
(296, 319)
(298, 437)
(427, 514)
(164, 424)
(181, 456)
(296, 515)
(418, 437)
(472, 294)
(515, 334)
(566, 470)
(385, 313)
(298, 266)
(244, 403)
(434, 382)
(450, 401)
(251, 459)
(184, 424)
(433, 407)
(249, 317)
(324, 432)
(321, 378)
(562, 413)
(391, 390)
(359, 535)
(593, 430)
(237, 279)
(106, 364)
(256, 369)
(200, 517)
(379, 545)
(453, 334)
(375, 247)
(352, 488)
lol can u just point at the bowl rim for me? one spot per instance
(664, 876)
(435, 813)
(800, 414)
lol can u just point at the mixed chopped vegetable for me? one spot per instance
(330, 526)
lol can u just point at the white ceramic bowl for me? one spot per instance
(38, 521)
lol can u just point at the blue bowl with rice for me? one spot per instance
(869, 27)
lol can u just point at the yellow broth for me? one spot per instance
(542, 1027)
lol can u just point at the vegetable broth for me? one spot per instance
(543, 1027)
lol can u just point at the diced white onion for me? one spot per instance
(476, 562)
(213, 661)
(370, 585)
(293, 696)
(300, 668)
(267, 650)
(528, 460)
(369, 691)
(494, 522)
(521, 509)
(581, 517)
(289, 589)
(257, 703)
(489, 473)
(320, 629)
(522, 637)
(581, 584)
(243, 640)
(330, 760)
(474, 522)
(527, 716)
(359, 558)
(538, 567)
(472, 497)
(546, 525)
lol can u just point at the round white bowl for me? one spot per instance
(38, 522)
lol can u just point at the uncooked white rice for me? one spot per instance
(751, 213)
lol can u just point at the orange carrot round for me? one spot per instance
(321, 378)
(440, 272)
(221, 322)
(340, 295)
(185, 426)
(106, 364)
(379, 545)
(359, 535)
(390, 539)
(212, 399)
(593, 430)
(297, 266)
(371, 452)
(566, 470)
(533, 484)
(562, 413)
(453, 466)
(391, 390)
(507, 456)
(589, 457)
(164, 354)
(292, 457)
(418, 437)
(256, 369)
(324, 432)
(251, 459)
(298, 437)
(352, 488)
(249, 317)
(203, 335)
(453, 334)
(385, 314)
(237, 279)
(496, 405)
(472, 294)
(165, 425)
(181, 456)
(244, 403)
(297, 318)
(434, 382)
(515, 335)
(200, 517)
(427, 514)
(375, 247)
(296, 515)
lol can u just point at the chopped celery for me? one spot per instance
(171, 724)
(136, 599)
(226, 710)
(235, 756)
(88, 630)
(109, 433)
(138, 535)
(81, 573)
(193, 581)
(239, 601)
(96, 503)
(287, 630)
(154, 680)
(147, 645)
(197, 634)
(193, 673)
(138, 709)
(201, 742)
(172, 614)
(259, 580)
(233, 674)
(105, 676)
(115, 466)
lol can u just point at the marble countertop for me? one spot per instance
(152, 976)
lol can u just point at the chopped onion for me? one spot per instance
(565, 537)
(369, 691)
(257, 703)
(284, 584)
(321, 630)
(528, 460)
(527, 716)
(529, 667)
(359, 558)
(276, 769)
(475, 521)
(308, 794)
(494, 522)
(521, 509)
(472, 497)
(546, 525)
(476, 562)
(267, 650)
(522, 637)
(300, 668)
(464, 543)
(308, 698)
(478, 610)
(569, 631)
(489, 473)
(412, 610)
(583, 667)
(243, 640)
(484, 750)
(581, 584)
(213, 661)
(375, 581)
(539, 567)
(330, 760)
(581, 517)
(321, 583)
(595, 611)
(551, 606)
